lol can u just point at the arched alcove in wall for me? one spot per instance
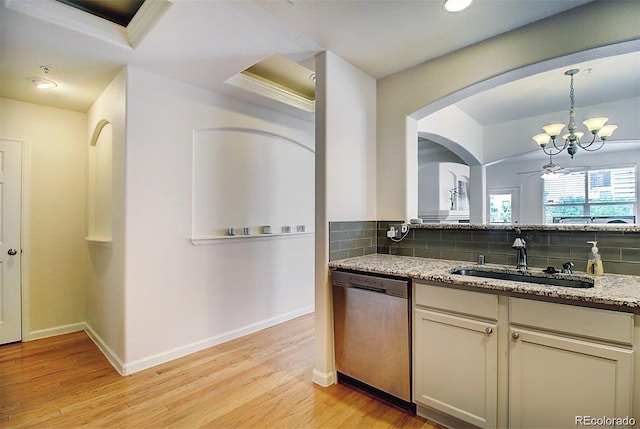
(443, 179)
(250, 178)
(100, 183)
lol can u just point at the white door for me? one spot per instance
(557, 382)
(456, 366)
(503, 205)
(10, 249)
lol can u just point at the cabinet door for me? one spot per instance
(455, 366)
(556, 380)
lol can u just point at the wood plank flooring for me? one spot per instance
(259, 381)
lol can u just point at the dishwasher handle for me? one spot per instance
(376, 284)
(368, 288)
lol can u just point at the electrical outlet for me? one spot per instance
(395, 231)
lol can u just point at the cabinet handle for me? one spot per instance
(488, 330)
(515, 335)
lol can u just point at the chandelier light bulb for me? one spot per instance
(606, 131)
(553, 130)
(542, 139)
(594, 124)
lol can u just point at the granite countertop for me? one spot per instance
(589, 227)
(618, 292)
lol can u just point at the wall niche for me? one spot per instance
(248, 178)
(100, 184)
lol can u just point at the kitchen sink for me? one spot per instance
(526, 277)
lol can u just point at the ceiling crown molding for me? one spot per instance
(60, 14)
(266, 89)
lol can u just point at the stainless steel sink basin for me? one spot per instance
(524, 277)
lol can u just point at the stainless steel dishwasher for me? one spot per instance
(372, 330)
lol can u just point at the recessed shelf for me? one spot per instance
(210, 239)
(97, 240)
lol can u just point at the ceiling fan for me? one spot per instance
(551, 170)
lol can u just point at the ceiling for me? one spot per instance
(599, 81)
(204, 43)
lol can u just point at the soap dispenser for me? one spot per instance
(594, 263)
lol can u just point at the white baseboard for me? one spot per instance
(324, 379)
(107, 351)
(178, 352)
(148, 362)
(52, 332)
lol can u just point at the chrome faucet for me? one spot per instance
(521, 246)
(567, 268)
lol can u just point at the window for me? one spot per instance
(590, 196)
(500, 208)
(503, 204)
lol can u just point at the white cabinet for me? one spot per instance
(572, 363)
(456, 354)
(499, 361)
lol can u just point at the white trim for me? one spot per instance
(324, 379)
(107, 351)
(271, 91)
(178, 352)
(25, 221)
(145, 19)
(74, 19)
(55, 331)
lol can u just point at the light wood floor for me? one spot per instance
(258, 381)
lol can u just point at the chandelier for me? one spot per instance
(596, 127)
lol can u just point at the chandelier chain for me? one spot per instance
(572, 93)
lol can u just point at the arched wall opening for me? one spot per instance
(440, 122)
(100, 199)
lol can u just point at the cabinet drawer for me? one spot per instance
(455, 300)
(593, 323)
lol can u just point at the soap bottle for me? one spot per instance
(594, 263)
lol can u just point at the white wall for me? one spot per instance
(428, 87)
(455, 130)
(345, 177)
(105, 261)
(180, 298)
(54, 179)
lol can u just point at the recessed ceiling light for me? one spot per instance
(42, 83)
(456, 5)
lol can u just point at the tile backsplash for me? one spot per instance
(353, 238)
(620, 251)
